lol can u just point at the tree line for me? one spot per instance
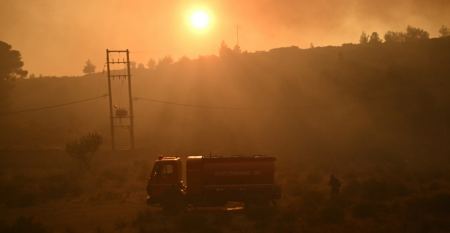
(11, 61)
(411, 34)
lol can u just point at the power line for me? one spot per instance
(52, 106)
(216, 107)
(189, 105)
(144, 99)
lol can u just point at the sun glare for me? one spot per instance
(200, 19)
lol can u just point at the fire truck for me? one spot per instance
(213, 181)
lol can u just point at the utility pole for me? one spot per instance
(120, 117)
(237, 35)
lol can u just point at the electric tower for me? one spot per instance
(120, 107)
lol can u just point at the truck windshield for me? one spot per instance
(164, 170)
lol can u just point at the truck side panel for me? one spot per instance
(233, 172)
(231, 178)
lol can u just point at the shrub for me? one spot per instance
(83, 149)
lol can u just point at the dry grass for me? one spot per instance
(386, 196)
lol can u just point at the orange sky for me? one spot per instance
(56, 37)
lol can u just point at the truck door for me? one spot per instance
(165, 182)
(161, 180)
(164, 173)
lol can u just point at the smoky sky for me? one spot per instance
(56, 37)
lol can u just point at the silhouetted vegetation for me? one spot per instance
(394, 37)
(412, 34)
(415, 34)
(375, 39)
(83, 149)
(226, 52)
(364, 38)
(11, 63)
(151, 64)
(444, 31)
(10, 69)
(165, 62)
(89, 68)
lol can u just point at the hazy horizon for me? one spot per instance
(82, 30)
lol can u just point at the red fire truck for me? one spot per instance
(213, 181)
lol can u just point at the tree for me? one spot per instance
(183, 60)
(444, 31)
(364, 38)
(375, 39)
(164, 62)
(394, 37)
(224, 50)
(141, 66)
(10, 69)
(89, 68)
(84, 148)
(237, 49)
(151, 64)
(10, 63)
(415, 34)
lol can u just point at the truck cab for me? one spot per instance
(165, 180)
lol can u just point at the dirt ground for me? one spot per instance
(50, 192)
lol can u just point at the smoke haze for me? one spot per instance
(57, 37)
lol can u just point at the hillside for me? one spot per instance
(355, 99)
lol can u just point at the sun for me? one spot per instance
(200, 20)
